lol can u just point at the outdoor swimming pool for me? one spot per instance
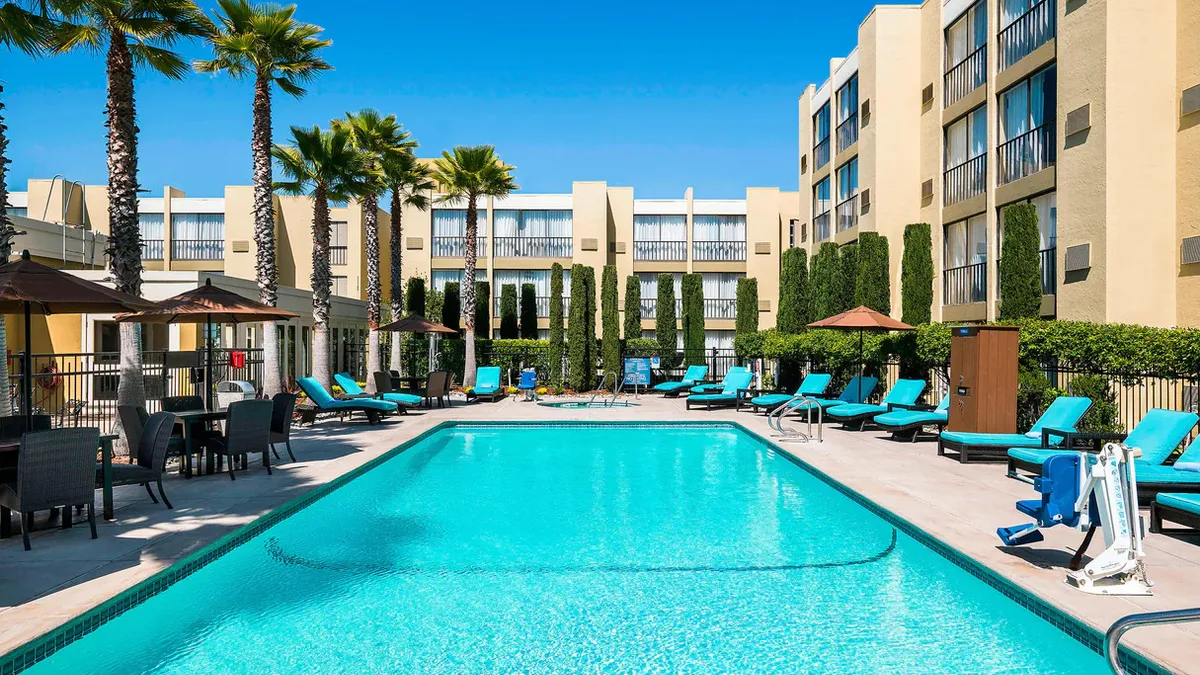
(580, 548)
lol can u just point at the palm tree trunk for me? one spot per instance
(397, 299)
(124, 239)
(374, 292)
(322, 286)
(265, 271)
(468, 295)
(6, 243)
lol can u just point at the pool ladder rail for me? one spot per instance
(787, 434)
(616, 390)
(1126, 623)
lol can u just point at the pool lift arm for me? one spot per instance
(1087, 491)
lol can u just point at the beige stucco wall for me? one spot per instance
(930, 138)
(764, 211)
(620, 227)
(1187, 158)
(804, 194)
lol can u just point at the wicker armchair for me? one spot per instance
(154, 440)
(57, 468)
(247, 431)
(283, 405)
(14, 427)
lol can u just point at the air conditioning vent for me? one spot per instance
(1079, 119)
(866, 112)
(1189, 253)
(927, 189)
(866, 199)
(240, 246)
(762, 248)
(803, 164)
(1190, 101)
(927, 94)
(764, 305)
(1078, 258)
(618, 247)
(589, 244)
(414, 243)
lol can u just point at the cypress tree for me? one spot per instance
(508, 312)
(692, 288)
(414, 296)
(529, 329)
(557, 346)
(434, 303)
(483, 309)
(1020, 266)
(452, 307)
(577, 355)
(747, 306)
(826, 280)
(794, 296)
(664, 319)
(916, 275)
(873, 287)
(610, 325)
(633, 307)
(847, 277)
(589, 273)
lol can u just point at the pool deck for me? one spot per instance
(67, 573)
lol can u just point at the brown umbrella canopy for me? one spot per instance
(416, 324)
(208, 304)
(861, 318)
(51, 291)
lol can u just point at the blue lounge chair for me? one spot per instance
(718, 387)
(858, 390)
(814, 385)
(904, 392)
(487, 384)
(694, 375)
(1157, 435)
(352, 390)
(374, 409)
(905, 418)
(1176, 507)
(736, 386)
(1182, 477)
(1062, 416)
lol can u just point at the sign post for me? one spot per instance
(637, 372)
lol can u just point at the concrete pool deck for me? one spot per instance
(67, 573)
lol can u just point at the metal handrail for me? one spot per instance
(603, 379)
(775, 420)
(1126, 623)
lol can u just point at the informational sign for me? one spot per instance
(637, 371)
(655, 363)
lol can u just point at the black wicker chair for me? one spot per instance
(57, 469)
(154, 441)
(283, 405)
(247, 431)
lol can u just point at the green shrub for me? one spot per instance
(1104, 415)
(529, 329)
(848, 277)
(747, 306)
(794, 296)
(826, 282)
(642, 345)
(610, 324)
(692, 289)
(1033, 390)
(916, 275)
(1020, 264)
(483, 309)
(873, 286)
(414, 296)
(434, 302)
(557, 346)
(508, 312)
(452, 307)
(664, 319)
(581, 329)
(633, 307)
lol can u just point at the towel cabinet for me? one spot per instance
(983, 379)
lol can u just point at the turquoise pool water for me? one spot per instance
(565, 549)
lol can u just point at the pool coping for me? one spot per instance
(42, 647)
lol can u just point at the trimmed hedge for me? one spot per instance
(452, 307)
(557, 346)
(873, 286)
(849, 277)
(692, 289)
(916, 275)
(664, 317)
(795, 310)
(826, 282)
(581, 329)
(508, 312)
(747, 306)
(633, 307)
(529, 329)
(610, 324)
(1020, 265)
(414, 296)
(483, 309)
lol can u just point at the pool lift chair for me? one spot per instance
(797, 404)
(1088, 491)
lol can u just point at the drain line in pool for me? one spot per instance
(276, 551)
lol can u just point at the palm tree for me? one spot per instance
(132, 34)
(326, 166)
(266, 43)
(380, 139)
(408, 179)
(467, 174)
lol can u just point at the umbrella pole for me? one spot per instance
(208, 383)
(861, 368)
(27, 372)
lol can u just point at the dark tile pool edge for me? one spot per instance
(1134, 662)
(40, 648)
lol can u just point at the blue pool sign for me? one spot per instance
(637, 371)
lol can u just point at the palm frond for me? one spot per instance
(162, 60)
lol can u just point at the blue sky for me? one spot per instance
(658, 96)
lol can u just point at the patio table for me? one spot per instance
(189, 419)
(106, 460)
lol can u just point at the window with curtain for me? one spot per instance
(966, 242)
(720, 294)
(821, 125)
(448, 238)
(1011, 10)
(150, 227)
(198, 236)
(532, 233)
(847, 180)
(966, 138)
(718, 339)
(649, 289)
(1047, 215)
(967, 34)
(847, 99)
(660, 228)
(719, 228)
(821, 197)
(541, 283)
(340, 287)
(338, 242)
(1029, 105)
(439, 278)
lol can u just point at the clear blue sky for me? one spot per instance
(657, 96)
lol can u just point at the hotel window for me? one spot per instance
(965, 261)
(1025, 25)
(721, 238)
(821, 137)
(541, 287)
(847, 184)
(847, 104)
(966, 53)
(649, 289)
(150, 227)
(1047, 217)
(718, 339)
(1027, 130)
(532, 233)
(966, 157)
(449, 235)
(720, 294)
(338, 242)
(821, 206)
(340, 287)
(439, 278)
(197, 236)
(660, 238)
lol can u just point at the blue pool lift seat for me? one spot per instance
(1058, 486)
(693, 376)
(528, 384)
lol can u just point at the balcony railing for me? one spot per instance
(152, 249)
(533, 247)
(821, 154)
(847, 132)
(847, 214)
(456, 247)
(964, 285)
(1027, 154)
(1026, 33)
(337, 255)
(650, 308)
(660, 251)
(720, 308)
(821, 227)
(541, 302)
(966, 76)
(1049, 262)
(198, 249)
(965, 180)
(719, 250)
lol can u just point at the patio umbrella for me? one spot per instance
(415, 323)
(207, 304)
(28, 288)
(861, 319)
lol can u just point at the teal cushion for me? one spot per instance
(487, 377)
(406, 399)
(822, 402)
(901, 419)
(1036, 455)
(849, 410)
(1010, 440)
(348, 385)
(904, 391)
(1159, 432)
(315, 392)
(770, 400)
(360, 404)
(814, 384)
(1181, 501)
(672, 386)
(1165, 474)
(485, 391)
(722, 397)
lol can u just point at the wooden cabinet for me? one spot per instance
(983, 379)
